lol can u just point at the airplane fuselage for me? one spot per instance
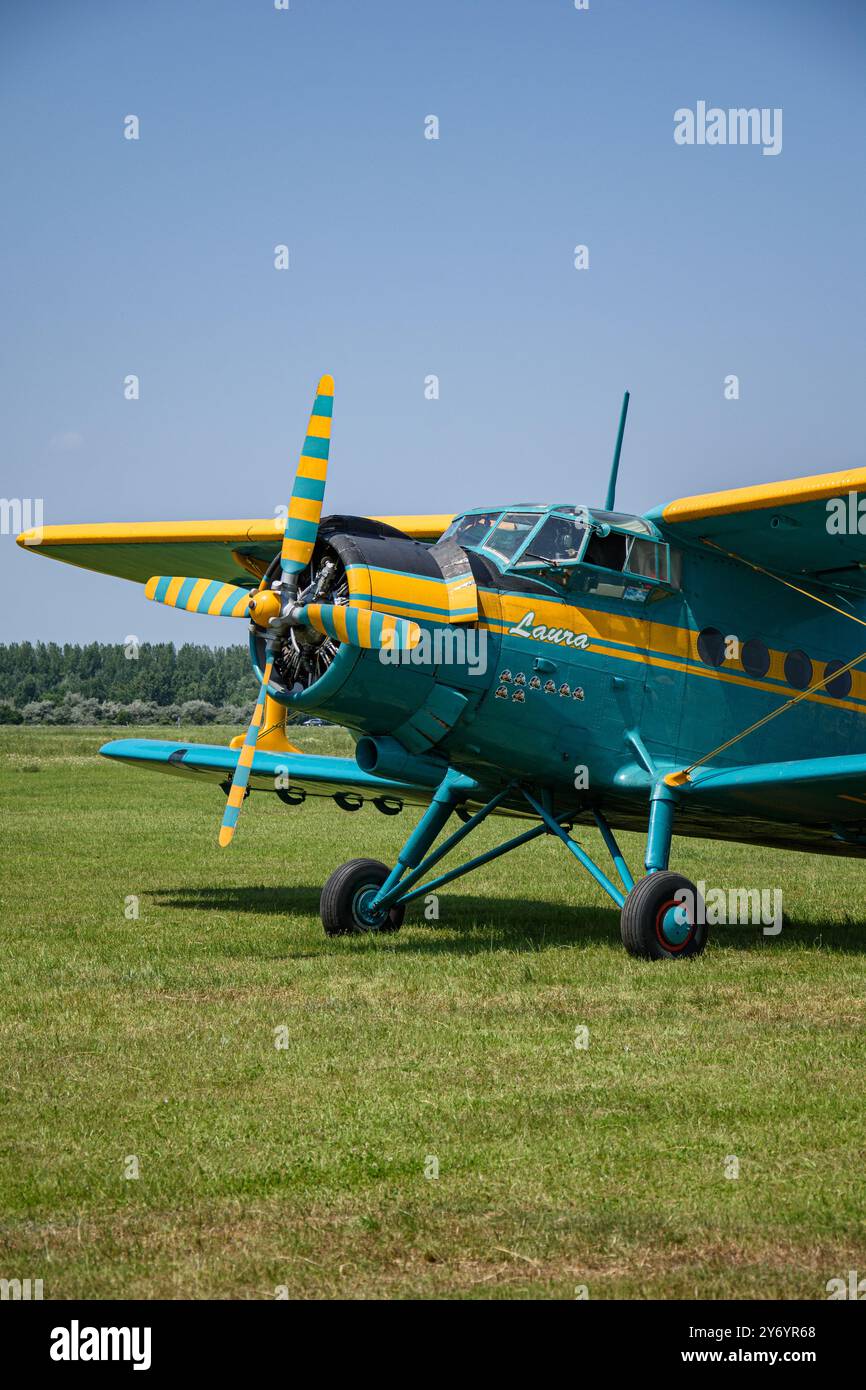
(591, 697)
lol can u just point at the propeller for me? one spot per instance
(199, 595)
(359, 627)
(308, 489)
(277, 609)
(245, 761)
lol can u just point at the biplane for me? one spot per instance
(558, 665)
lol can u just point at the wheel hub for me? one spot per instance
(673, 927)
(364, 911)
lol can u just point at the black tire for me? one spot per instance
(648, 929)
(342, 900)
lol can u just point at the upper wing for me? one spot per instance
(807, 526)
(231, 551)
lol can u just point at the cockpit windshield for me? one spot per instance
(557, 541)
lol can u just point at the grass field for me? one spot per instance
(304, 1166)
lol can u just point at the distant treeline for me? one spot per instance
(44, 683)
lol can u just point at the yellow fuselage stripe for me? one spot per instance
(657, 642)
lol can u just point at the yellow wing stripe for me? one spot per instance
(234, 532)
(749, 499)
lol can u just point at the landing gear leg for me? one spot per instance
(661, 827)
(352, 897)
(663, 917)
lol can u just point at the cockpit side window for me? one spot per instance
(645, 558)
(471, 530)
(628, 555)
(635, 558)
(609, 552)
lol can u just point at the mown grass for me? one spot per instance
(304, 1166)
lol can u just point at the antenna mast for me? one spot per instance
(611, 486)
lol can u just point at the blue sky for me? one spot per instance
(411, 257)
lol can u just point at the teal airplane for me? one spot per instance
(565, 667)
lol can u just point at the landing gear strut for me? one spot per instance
(661, 915)
(662, 918)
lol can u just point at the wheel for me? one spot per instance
(655, 922)
(343, 906)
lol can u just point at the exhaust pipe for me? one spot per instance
(387, 758)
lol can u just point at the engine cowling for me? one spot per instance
(417, 696)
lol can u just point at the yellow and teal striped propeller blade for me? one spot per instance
(305, 507)
(199, 595)
(244, 763)
(360, 627)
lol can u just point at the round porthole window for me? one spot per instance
(711, 646)
(840, 686)
(798, 670)
(755, 657)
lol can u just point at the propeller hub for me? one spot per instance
(264, 605)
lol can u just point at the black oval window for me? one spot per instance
(756, 657)
(711, 646)
(798, 670)
(840, 686)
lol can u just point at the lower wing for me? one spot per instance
(816, 793)
(295, 774)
